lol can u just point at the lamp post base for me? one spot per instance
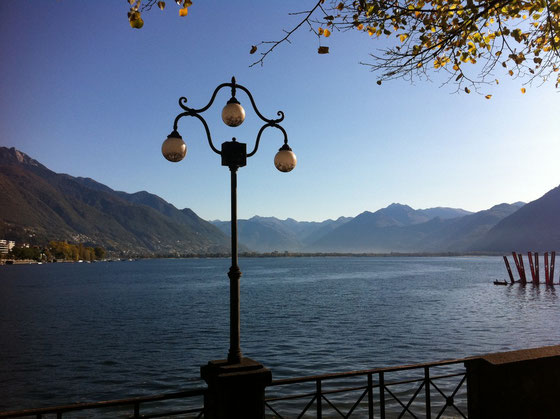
(235, 390)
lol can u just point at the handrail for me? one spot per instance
(317, 396)
(336, 375)
(133, 401)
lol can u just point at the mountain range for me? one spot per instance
(38, 205)
(396, 228)
(399, 228)
(269, 234)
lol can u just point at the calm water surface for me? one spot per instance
(82, 332)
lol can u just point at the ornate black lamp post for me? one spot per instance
(234, 155)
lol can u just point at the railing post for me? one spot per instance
(370, 394)
(427, 389)
(382, 394)
(319, 397)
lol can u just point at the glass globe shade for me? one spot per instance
(285, 160)
(233, 114)
(174, 148)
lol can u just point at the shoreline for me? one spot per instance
(253, 255)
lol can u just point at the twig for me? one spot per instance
(288, 34)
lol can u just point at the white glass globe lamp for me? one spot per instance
(285, 160)
(233, 113)
(174, 148)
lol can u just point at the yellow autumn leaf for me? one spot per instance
(488, 96)
(327, 33)
(184, 11)
(360, 27)
(510, 72)
(135, 20)
(467, 90)
(523, 90)
(161, 5)
(441, 61)
(403, 37)
(320, 31)
(137, 23)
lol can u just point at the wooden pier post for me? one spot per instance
(521, 268)
(531, 266)
(516, 260)
(537, 275)
(509, 270)
(546, 269)
(520, 256)
(552, 260)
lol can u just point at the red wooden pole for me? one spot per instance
(509, 270)
(537, 275)
(546, 271)
(552, 260)
(520, 256)
(516, 260)
(531, 266)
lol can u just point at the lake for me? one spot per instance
(83, 332)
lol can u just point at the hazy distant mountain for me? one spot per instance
(444, 213)
(40, 205)
(535, 227)
(399, 228)
(460, 234)
(268, 234)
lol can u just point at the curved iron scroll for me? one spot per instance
(265, 126)
(208, 136)
(234, 86)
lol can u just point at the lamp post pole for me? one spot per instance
(236, 385)
(234, 274)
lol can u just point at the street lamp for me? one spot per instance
(234, 155)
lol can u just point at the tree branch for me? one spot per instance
(288, 34)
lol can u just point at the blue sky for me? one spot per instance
(86, 95)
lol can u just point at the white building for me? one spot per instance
(6, 245)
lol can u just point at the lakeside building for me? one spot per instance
(6, 246)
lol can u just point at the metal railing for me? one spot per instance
(135, 407)
(439, 388)
(421, 390)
